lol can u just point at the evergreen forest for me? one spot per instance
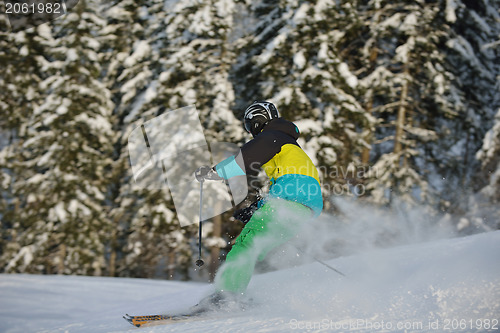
(398, 104)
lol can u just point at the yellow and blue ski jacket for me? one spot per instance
(292, 173)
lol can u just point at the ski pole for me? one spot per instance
(320, 261)
(200, 262)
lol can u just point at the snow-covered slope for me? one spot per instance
(427, 287)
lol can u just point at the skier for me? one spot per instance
(294, 196)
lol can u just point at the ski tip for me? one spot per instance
(130, 320)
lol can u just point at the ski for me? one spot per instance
(213, 306)
(151, 320)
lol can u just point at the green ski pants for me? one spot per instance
(270, 226)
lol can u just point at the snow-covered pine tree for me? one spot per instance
(62, 175)
(128, 54)
(146, 235)
(23, 63)
(185, 61)
(485, 204)
(403, 70)
(292, 57)
(195, 62)
(472, 55)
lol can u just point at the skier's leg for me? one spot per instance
(237, 270)
(270, 226)
(288, 219)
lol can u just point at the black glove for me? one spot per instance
(245, 214)
(206, 173)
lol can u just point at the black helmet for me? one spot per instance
(258, 115)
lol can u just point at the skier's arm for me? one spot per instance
(231, 166)
(252, 156)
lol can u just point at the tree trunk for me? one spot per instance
(171, 264)
(400, 121)
(112, 263)
(365, 154)
(215, 250)
(62, 256)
